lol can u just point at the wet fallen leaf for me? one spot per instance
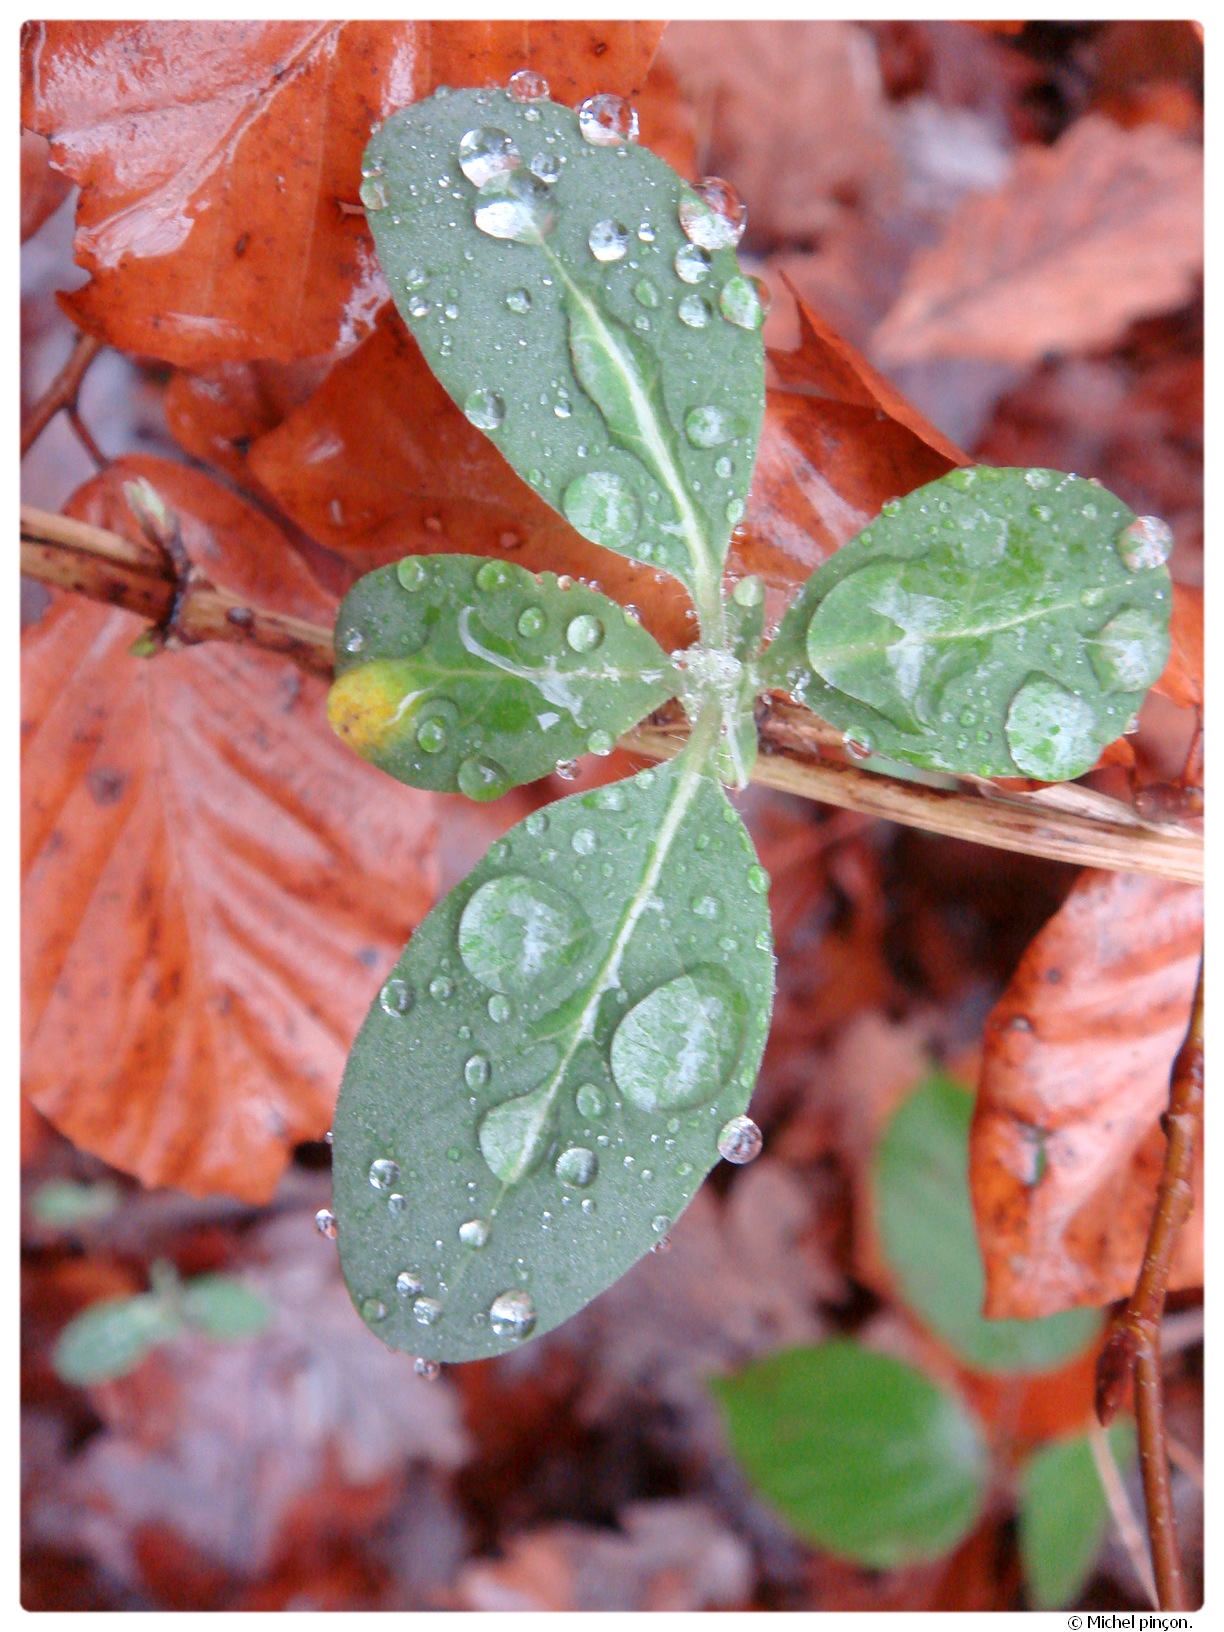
(214, 159)
(1182, 680)
(218, 412)
(1066, 1149)
(668, 1555)
(212, 882)
(43, 189)
(1086, 236)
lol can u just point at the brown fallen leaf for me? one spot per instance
(1086, 236)
(214, 158)
(43, 189)
(669, 1555)
(216, 413)
(212, 883)
(1182, 680)
(1066, 1148)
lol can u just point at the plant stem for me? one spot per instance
(106, 567)
(1134, 1339)
(1120, 1510)
(63, 392)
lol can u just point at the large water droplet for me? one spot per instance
(604, 508)
(532, 622)
(709, 427)
(695, 311)
(1050, 731)
(678, 1045)
(485, 409)
(325, 1223)
(1129, 653)
(512, 1314)
(738, 303)
(715, 218)
(384, 1173)
(519, 300)
(516, 932)
(426, 1311)
(1146, 543)
(577, 1167)
(692, 264)
(517, 208)
(607, 121)
(584, 632)
(412, 573)
(373, 193)
(527, 86)
(482, 778)
(590, 1100)
(409, 1283)
(584, 842)
(486, 154)
(514, 1136)
(608, 240)
(739, 1140)
(396, 997)
(475, 1233)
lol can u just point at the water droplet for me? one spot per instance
(396, 1203)
(354, 640)
(590, 1100)
(546, 167)
(758, 880)
(532, 622)
(577, 1167)
(486, 154)
(325, 1223)
(373, 1309)
(492, 576)
(411, 573)
(396, 997)
(537, 823)
(384, 1173)
(373, 193)
(723, 466)
(603, 507)
(482, 778)
(476, 1071)
(705, 906)
(607, 121)
(584, 632)
(426, 1311)
(715, 218)
(567, 769)
(739, 304)
(749, 591)
(588, 1205)
(1039, 478)
(1129, 653)
(519, 300)
(409, 1283)
(485, 409)
(692, 264)
(512, 1314)
(442, 987)
(675, 1048)
(419, 306)
(611, 797)
(584, 842)
(516, 932)
(527, 86)
(734, 510)
(608, 240)
(516, 208)
(709, 427)
(662, 1245)
(660, 1224)
(1050, 731)
(428, 1370)
(739, 1140)
(475, 1233)
(1146, 543)
(695, 311)
(645, 293)
(600, 742)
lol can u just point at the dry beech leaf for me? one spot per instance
(214, 159)
(380, 463)
(1086, 236)
(1182, 680)
(1066, 1147)
(216, 413)
(212, 882)
(43, 189)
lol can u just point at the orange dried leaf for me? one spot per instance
(1066, 1148)
(1182, 680)
(212, 883)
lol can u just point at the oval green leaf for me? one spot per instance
(224, 1307)
(927, 1231)
(524, 1112)
(1064, 1515)
(629, 394)
(860, 1453)
(459, 674)
(111, 1338)
(999, 622)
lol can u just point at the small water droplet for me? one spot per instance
(475, 1233)
(695, 311)
(485, 409)
(482, 778)
(411, 573)
(723, 466)
(588, 1205)
(419, 306)
(607, 121)
(527, 86)
(442, 987)
(476, 1071)
(409, 1283)
(645, 293)
(384, 1173)
(584, 632)
(432, 735)
(734, 510)
(705, 906)
(860, 746)
(758, 879)
(428, 1370)
(600, 743)
(354, 641)
(662, 1245)
(611, 798)
(590, 1101)
(584, 842)
(709, 427)
(739, 1140)
(692, 264)
(603, 507)
(486, 154)
(750, 591)
(567, 769)
(396, 997)
(660, 1224)
(492, 576)
(713, 215)
(519, 300)
(426, 1311)
(396, 1203)
(325, 1223)
(1038, 478)
(1146, 543)
(537, 823)
(577, 1167)
(608, 240)
(512, 1314)
(738, 303)
(532, 622)
(373, 193)
(373, 1309)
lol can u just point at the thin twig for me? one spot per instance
(1120, 1509)
(1133, 1343)
(92, 562)
(63, 392)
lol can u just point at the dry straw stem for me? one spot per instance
(106, 567)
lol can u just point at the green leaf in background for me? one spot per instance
(223, 1306)
(860, 1453)
(1000, 622)
(929, 1239)
(613, 355)
(1064, 1515)
(542, 1083)
(456, 673)
(63, 1204)
(111, 1338)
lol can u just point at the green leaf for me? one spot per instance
(63, 1204)
(1064, 1515)
(540, 1088)
(927, 1230)
(860, 1453)
(628, 395)
(455, 673)
(1000, 622)
(111, 1338)
(224, 1307)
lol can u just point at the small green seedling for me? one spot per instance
(570, 1041)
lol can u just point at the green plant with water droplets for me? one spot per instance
(571, 1039)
